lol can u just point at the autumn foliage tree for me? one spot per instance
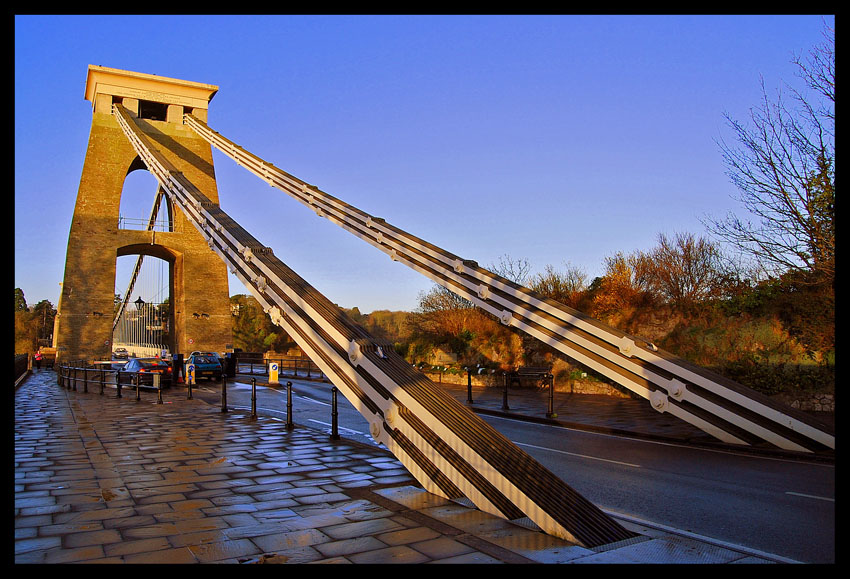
(566, 286)
(618, 289)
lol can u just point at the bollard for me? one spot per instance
(223, 394)
(334, 414)
(551, 412)
(138, 393)
(505, 394)
(289, 425)
(118, 383)
(102, 380)
(158, 383)
(469, 385)
(86, 380)
(74, 381)
(253, 398)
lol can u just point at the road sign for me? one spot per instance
(273, 371)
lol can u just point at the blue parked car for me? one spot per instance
(205, 367)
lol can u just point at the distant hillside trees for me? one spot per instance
(253, 330)
(33, 325)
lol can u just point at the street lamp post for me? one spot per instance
(140, 323)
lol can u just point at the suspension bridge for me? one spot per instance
(449, 450)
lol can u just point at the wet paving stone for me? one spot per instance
(101, 479)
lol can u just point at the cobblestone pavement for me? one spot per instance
(102, 479)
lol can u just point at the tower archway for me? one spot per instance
(83, 329)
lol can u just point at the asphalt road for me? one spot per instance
(782, 507)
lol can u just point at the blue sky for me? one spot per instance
(554, 139)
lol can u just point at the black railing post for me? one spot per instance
(86, 380)
(551, 412)
(118, 383)
(334, 414)
(223, 394)
(505, 393)
(469, 385)
(74, 381)
(253, 398)
(102, 380)
(289, 425)
(138, 392)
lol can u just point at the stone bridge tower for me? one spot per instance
(199, 286)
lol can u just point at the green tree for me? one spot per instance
(252, 328)
(20, 301)
(43, 316)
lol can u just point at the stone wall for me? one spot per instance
(814, 402)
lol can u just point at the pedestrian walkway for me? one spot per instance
(611, 414)
(102, 479)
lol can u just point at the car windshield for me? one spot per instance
(152, 364)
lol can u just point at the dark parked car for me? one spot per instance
(205, 367)
(145, 369)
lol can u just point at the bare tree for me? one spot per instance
(516, 270)
(683, 269)
(784, 168)
(565, 286)
(442, 311)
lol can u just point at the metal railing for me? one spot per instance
(79, 375)
(21, 365)
(296, 367)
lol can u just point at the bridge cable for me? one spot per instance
(450, 450)
(709, 401)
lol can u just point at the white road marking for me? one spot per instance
(810, 496)
(578, 455)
